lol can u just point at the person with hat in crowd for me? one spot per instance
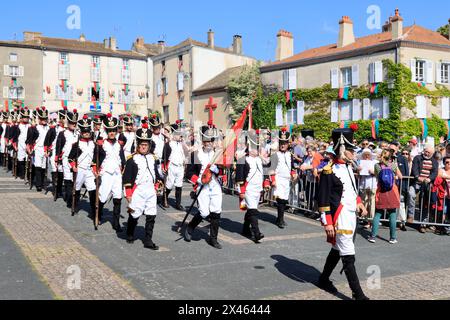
(339, 205)
(413, 144)
(80, 160)
(2, 132)
(64, 143)
(203, 172)
(50, 149)
(250, 178)
(129, 135)
(159, 139)
(11, 139)
(281, 173)
(140, 176)
(97, 125)
(22, 156)
(174, 161)
(111, 162)
(35, 146)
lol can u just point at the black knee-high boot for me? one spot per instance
(68, 186)
(116, 215)
(92, 200)
(191, 227)
(352, 278)
(77, 203)
(101, 205)
(131, 227)
(214, 230)
(256, 234)
(246, 232)
(10, 164)
(178, 193)
(21, 169)
(331, 263)
(38, 176)
(59, 184)
(149, 225)
(281, 208)
(54, 182)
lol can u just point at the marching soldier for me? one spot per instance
(281, 173)
(210, 196)
(50, 149)
(129, 135)
(4, 124)
(80, 160)
(250, 177)
(173, 164)
(21, 145)
(11, 141)
(339, 205)
(35, 145)
(64, 143)
(97, 124)
(139, 179)
(159, 139)
(111, 161)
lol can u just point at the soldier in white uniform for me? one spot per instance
(174, 160)
(139, 179)
(98, 130)
(3, 125)
(80, 160)
(66, 139)
(205, 173)
(111, 162)
(11, 139)
(22, 156)
(35, 143)
(50, 148)
(339, 205)
(129, 135)
(281, 173)
(250, 177)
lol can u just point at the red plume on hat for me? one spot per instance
(85, 117)
(145, 126)
(37, 108)
(75, 111)
(258, 131)
(284, 129)
(109, 115)
(154, 116)
(178, 122)
(210, 123)
(354, 127)
(65, 108)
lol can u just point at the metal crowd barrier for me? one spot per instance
(427, 208)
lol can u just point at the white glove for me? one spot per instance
(214, 169)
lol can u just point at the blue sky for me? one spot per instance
(313, 23)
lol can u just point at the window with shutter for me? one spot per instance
(377, 109)
(279, 115)
(300, 112)
(419, 71)
(445, 104)
(366, 109)
(166, 86)
(159, 88)
(430, 71)
(292, 79)
(181, 110)
(421, 107)
(355, 76)
(21, 71)
(345, 114)
(346, 75)
(372, 72)
(14, 71)
(291, 117)
(385, 107)
(13, 57)
(378, 72)
(444, 71)
(6, 70)
(335, 78)
(180, 81)
(334, 111)
(285, 80)
(356, 110)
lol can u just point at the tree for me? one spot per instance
(444, 30)
(242, 89)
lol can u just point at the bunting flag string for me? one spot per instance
(448, 129)
(424, 125)
(343, 93)
(374, 88)
(375, 128)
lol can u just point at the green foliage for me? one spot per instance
(444, 30)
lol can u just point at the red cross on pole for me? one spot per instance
(211, 106)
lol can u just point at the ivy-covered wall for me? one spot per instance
(399, 88)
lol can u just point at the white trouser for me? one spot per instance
(40, 161)
(53, 166)
(67, 170)
(86, 177)
(283, 188)
(22, 152)
(2, 145)
(110, 183)
(175, 176)
(252, 197)
(346, 226)
(143, 201)
(210, 199)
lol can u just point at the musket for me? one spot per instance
(26, 171)
(15, 165)
(75, 175)
(97, 189)
(190, 209)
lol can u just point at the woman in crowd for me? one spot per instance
(367, 182)
(387, 196)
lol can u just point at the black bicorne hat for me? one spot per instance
(284, 135)
(62, 114)
(155, 121)
(85, 124)
(209, 133)
(343, 137)
(110, 122)
(307, 133)
(128, 120)
(42, 113)
(72, 117)
(24, 113)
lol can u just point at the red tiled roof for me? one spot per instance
(414, 33)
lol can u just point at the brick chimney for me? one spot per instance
(397, 25)
(285, 45)
(161, 46)
(30, 36)
(237, 44)
(346, 34)
(211, 39)
(387, 27)
(139, 42)
(112, 43)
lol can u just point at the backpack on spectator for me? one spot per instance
(386, 178)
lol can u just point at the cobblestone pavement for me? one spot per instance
(56, 255)
(285, 266)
